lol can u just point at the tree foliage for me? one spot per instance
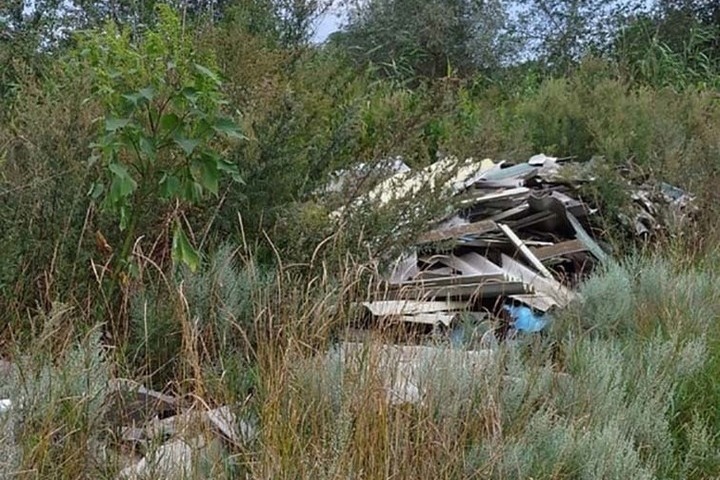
(162, 135)
(426, 38)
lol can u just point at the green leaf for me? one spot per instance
(231, 169)
(228, 127)
(209, 175)
(148, 93)
(187, 144)
(147, 146)
(96, 189)
(133, 98)
(190, 94)
(208, 73)
(183, 251)
(169, 186)
(192, 191)
(122, 184)
(169, 122)
(119, 170)
(113, 124)
(124, 217)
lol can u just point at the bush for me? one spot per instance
(59, 404)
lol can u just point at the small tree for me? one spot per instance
(426, 38)
(163, 134)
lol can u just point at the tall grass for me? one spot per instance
(621, 386)
(600, 397)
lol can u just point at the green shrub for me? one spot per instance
(59, 405)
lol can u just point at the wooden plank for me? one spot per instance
(483, 243)
(381, 308)
(525, 250)
(453, 280)
(436, 318)
(530, 220)
(476, 228)
(587, 240)
(483, 197)
(489, 289)
(471, 291)
(510, 213)
(547, 286)
(507, 183)
(559, 249)
(433, 274)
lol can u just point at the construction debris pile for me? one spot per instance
(518, 243)
(163, 437)
(154, 435)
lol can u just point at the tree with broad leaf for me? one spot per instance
(164, 130)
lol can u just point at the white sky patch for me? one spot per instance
(328, 24)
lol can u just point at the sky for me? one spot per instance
(330, 22)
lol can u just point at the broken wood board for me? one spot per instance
(576, 207)
(559, 249)
(472, 291)
(482, 197)
(476, 228)
(525, 250)
(454, 280)
(587, 240)
(132, 402)
(562, 295)
(556, 210)
(435, 273)
(410, 307)
(531, 220)
(434, 319)
(520, 209)
(504, 183)
(499, 242)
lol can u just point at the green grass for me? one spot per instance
(622, 386)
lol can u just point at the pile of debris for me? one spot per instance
(155, 435)
(514, 249)
(161, 436)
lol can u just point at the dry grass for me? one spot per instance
(618, 388)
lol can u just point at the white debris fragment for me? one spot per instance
(404, 370)
(236, 430)
(170, 461)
